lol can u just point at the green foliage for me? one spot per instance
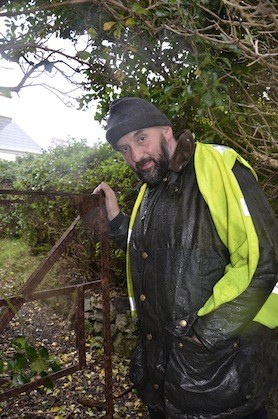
(8, 219)
(209, 65)
(41, 221)
(27, 362)
(7, 175)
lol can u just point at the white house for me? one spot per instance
(14, 141)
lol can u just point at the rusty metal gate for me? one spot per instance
(93, 214)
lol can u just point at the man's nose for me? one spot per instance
(136, 154)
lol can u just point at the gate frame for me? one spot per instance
(93, 214)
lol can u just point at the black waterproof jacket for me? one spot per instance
(176, 259)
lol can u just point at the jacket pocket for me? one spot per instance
(202, 381)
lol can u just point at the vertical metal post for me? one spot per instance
(106, 316)
(80, 327)
(93, 213)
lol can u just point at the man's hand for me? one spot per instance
(111, 201)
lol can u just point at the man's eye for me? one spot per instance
(123, 150)
(141, 139)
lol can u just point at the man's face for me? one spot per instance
(146, 152)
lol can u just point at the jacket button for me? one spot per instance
(145, 255)
(142, 297)
(180, 345)
(149, 336)
(165, 179)
(156, 386)
(235, 344)
(183, 323)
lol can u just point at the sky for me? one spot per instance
(41, 114)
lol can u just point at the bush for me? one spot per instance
(41, 220)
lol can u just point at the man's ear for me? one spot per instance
(168, 132)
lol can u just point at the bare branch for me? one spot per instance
(46, 6)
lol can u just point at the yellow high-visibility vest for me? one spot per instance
(221, 191)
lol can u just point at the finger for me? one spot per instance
(99, 188)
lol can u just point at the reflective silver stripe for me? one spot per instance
(129, 235)
(275, 289)
(244, 207)
(132, 304)
(220, 148)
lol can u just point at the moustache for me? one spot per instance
(143, 162)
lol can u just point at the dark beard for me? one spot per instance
(155, 175)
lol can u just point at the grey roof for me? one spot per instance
(14, 139)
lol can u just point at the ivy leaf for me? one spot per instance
(55, 366)
(38, 365)
(92, 32)
(20, 342)
(31, 353)
(226, 61)
(117, 32)
(43, 352)
(207, 99)
(20, 362)
(83, 55)
(108, 25)
(130, 22)
(139, 9)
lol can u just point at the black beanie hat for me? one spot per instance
(131, 114)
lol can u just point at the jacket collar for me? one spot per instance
(183, 152)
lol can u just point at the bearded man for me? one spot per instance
(202, 252)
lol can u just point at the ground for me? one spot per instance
(46, 328)
(43, 327)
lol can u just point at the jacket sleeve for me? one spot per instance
(235, 317)
(118, 229)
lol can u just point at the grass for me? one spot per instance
(11, 250)
(16, 264)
